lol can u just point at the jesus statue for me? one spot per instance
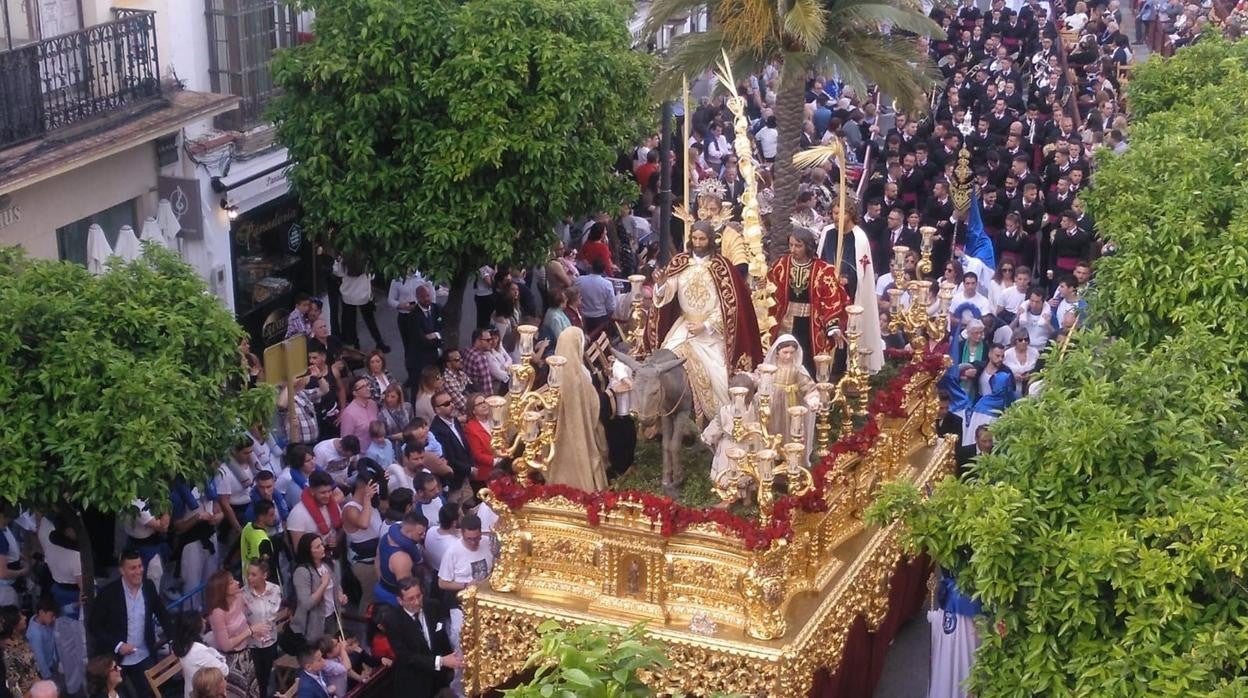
(704, 315)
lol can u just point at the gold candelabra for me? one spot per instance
(522, 423)
(637, 335)
(920, 326)
(759, 453)
(849, 393)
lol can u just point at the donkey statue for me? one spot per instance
(662, 395)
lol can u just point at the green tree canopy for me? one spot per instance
(1106, 532)
(114, 385)
(437, 135)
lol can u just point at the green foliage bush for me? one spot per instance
(113, 385)
(437, 135)
(1106, 533)
(591, 661)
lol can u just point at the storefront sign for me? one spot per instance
(10, 212)
(274, 328)
(183, 196)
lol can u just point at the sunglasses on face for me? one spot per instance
(443, 404)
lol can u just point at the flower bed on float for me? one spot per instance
(671, 517)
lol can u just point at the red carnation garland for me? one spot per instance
(672, 518)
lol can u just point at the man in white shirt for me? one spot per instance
(1035, 317)
(970, 296)
(443, 537)
(336, 456)
(464, 564)
(403, 475)
(233, 484)
(1014, 296)
(324, 523)
(429, 498)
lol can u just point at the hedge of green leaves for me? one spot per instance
(113, 385)
(1107, 534)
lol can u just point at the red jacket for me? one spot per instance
(480, 450)
(597, 250)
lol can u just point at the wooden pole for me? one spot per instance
(840, 212)
(666, 248)
(684, 142)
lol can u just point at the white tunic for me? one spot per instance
(695, 290)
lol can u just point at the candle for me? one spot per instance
(765, 463)
(766, 378)
(894, 298)
(823, 367)
(855, 319)
(945, 296)
(556, 364)
(924, 290)
(927, 231)
(825, 392)
(797, 422)
(527, 333)
(738, 394)
(517, 384)
(498, 410)
(636, 280)
(735, 456)
(532, 426)
(899, 257)
(793, 459)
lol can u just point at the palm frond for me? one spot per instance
(873, 14)
(691, 54)
(806, 24)
(816, 156)
(748, 24)
(664, 11)
(892, 63)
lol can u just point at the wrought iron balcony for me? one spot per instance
(74, 77)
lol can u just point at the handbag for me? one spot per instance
(291, 642)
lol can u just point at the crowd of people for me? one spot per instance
(339, 534)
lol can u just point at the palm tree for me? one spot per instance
(844, 36)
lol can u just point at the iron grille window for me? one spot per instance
(242, 37)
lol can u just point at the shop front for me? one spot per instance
(272, 262)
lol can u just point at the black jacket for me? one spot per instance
(426, 324)
(414, 672)
(455, 450)
(106, 625)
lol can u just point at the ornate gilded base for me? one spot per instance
(755, 622)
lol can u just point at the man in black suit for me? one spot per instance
(896, 234)
(424, 661)
(982, 446)
(427, 338)
(121, 622)
(939, 211)
(454, 444)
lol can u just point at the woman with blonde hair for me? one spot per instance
(430, 384)
(209, 682)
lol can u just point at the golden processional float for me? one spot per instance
(760, 607)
